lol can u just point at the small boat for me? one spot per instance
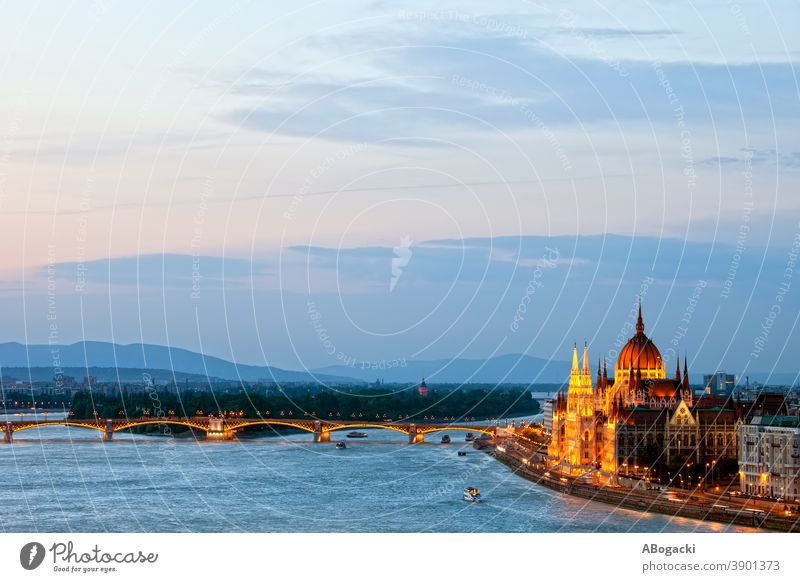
(472, 494)
(341, 445)
(470, 437)
(462, 453)
(446, 439)
(357, 435)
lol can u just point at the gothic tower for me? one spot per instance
(580, 431)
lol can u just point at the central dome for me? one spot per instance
(641, 354)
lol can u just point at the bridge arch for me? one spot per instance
(134, 423)
(394, 428)
(234, 427)
(430, 430)
(46, 423)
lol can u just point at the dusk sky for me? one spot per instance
(294, 184)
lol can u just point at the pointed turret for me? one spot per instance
(575, 358)
(639, 383)
(677, 368)
(586, 358)
(685, 386)
(640, 321)
(600, 385)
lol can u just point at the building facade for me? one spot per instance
(719, 384)
(769, 457)
(625, 423)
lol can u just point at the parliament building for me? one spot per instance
(620, 425)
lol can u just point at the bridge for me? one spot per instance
(216, 428)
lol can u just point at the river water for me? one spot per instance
(61, 479)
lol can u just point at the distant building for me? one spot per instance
(423, 389)
(719, 383)
(547, 419)
(769, 457)
(769, 404)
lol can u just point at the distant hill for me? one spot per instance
(512, 368)
(125, 375)
(131, 361)
(142, 357)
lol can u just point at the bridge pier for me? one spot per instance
(108, 435)
(415, 437)
(321, 435)
(8, 432)
(217, 431)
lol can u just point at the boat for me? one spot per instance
(462, 453)
(446, 439)
(357, 435)
(482, 441)
(341, 445)
(472, 494)
(470, 437)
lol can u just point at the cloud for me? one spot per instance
(622, 32)
(755, 156)
(607, 258)
(160, 270)
(459, 79)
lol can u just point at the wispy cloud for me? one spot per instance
(161, 270)
(622, 32)
(433, 81)
(608, 258)
(755, 156)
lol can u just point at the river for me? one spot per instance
(61, 479)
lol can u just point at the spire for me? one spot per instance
(585, 358)
(685, 386)
(605, 371)
(574, 357)
(640, 321)
(677, 368)
(599, 374)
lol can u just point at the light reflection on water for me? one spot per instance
(146, 483)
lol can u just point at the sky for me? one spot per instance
(332, 182)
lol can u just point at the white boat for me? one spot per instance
(472, 494)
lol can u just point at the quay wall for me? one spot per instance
(630, 499)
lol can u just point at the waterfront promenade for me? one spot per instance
(528, 462)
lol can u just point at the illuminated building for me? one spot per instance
(423, 389)
(769, 457)
(719, 383)
(623, 422)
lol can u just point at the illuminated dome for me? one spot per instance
(641, 354)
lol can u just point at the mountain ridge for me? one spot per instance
(181, 362)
